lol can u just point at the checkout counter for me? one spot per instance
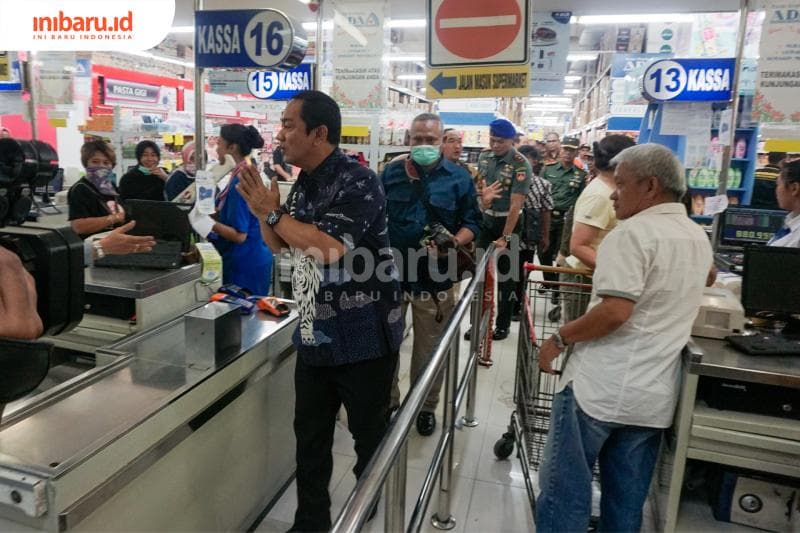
(741, 439)
(152, 439)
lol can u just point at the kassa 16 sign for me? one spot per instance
(248, 38)
(689, 80)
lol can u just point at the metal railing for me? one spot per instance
(389, 462)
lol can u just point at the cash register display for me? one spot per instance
(770, 283)
(750, 226)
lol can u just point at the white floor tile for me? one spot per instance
(499, 471)
(498, 508)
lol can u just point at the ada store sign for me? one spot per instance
(248, 38)
(477, 32)
(279, 85)
(689, 80)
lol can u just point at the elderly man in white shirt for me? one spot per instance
(619, 388)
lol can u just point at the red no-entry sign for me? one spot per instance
(477, 32)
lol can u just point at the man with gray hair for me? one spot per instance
(619, 388)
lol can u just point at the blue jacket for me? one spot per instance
(450, 191)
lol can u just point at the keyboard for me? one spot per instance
(766, 344)
(163, 256)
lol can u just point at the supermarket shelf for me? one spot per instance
(739, 160)
(354, 147)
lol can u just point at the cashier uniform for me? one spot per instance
(789, 235)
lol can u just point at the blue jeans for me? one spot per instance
(627, 456)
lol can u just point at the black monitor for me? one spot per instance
(771, 284)
(166, 221)
(740, 226)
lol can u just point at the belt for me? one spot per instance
(493, 213)
(557, 213)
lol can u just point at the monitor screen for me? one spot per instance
(165, 221)
(741, 226)
(770, 283)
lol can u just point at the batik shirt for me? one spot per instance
(350, 309)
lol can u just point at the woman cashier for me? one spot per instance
(787, 191)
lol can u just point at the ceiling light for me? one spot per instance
(572, 91)
(549, 100)
(547, 107)
(407, 23)
(411, 77)
(582, 56)
(174, 61)
(573, 78)
(397, 59)
(634, 19)
(312, 26)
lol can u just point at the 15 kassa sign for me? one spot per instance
(689, 80)
(248, 38)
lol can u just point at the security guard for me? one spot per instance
(567, 181)
(503, 170)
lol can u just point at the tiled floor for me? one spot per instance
(489, 494)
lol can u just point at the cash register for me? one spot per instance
(744, 226)
(771, 291)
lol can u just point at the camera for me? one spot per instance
(53, 256)
(435, 233)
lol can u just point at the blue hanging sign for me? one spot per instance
(689, 80)
(268, 84)
(248, 38)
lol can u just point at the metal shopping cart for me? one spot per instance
(547, 305)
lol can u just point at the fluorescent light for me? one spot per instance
(174, 61)
(182, 29)
(573, 78)
(549, 100)
(312, 26)
(411, 77)
(572, 91)
(407, 23)
(398, 59)
(634, 19)
(582, 56)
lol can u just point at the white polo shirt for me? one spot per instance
(792, 239)
(658, 258)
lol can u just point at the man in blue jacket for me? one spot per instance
(432, 208)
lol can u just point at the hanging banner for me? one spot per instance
(549, 50)
(53, 77)
(357, 50)
(128, 91)
(627, 70)
(778, 84)
(478, 82)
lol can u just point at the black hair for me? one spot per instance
(447, 130)
(608, 147)
(144, 145)
(529, 151)
(318, 109)
(791, 172)
(246, 137)
(775, 158)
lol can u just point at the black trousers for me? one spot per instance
(546, 257)
(364, 390)
(508, 274)
(525, 256)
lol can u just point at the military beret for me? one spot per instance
(502, 128)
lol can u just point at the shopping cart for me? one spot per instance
(547, 305)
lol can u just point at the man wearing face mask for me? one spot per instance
(428, 194)
(505, 171)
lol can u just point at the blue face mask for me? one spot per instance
(144, 170)
(425, 154)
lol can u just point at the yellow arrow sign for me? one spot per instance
(478, 82)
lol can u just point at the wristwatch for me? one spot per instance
(559, 340)
(507, 237)
(273, 217)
